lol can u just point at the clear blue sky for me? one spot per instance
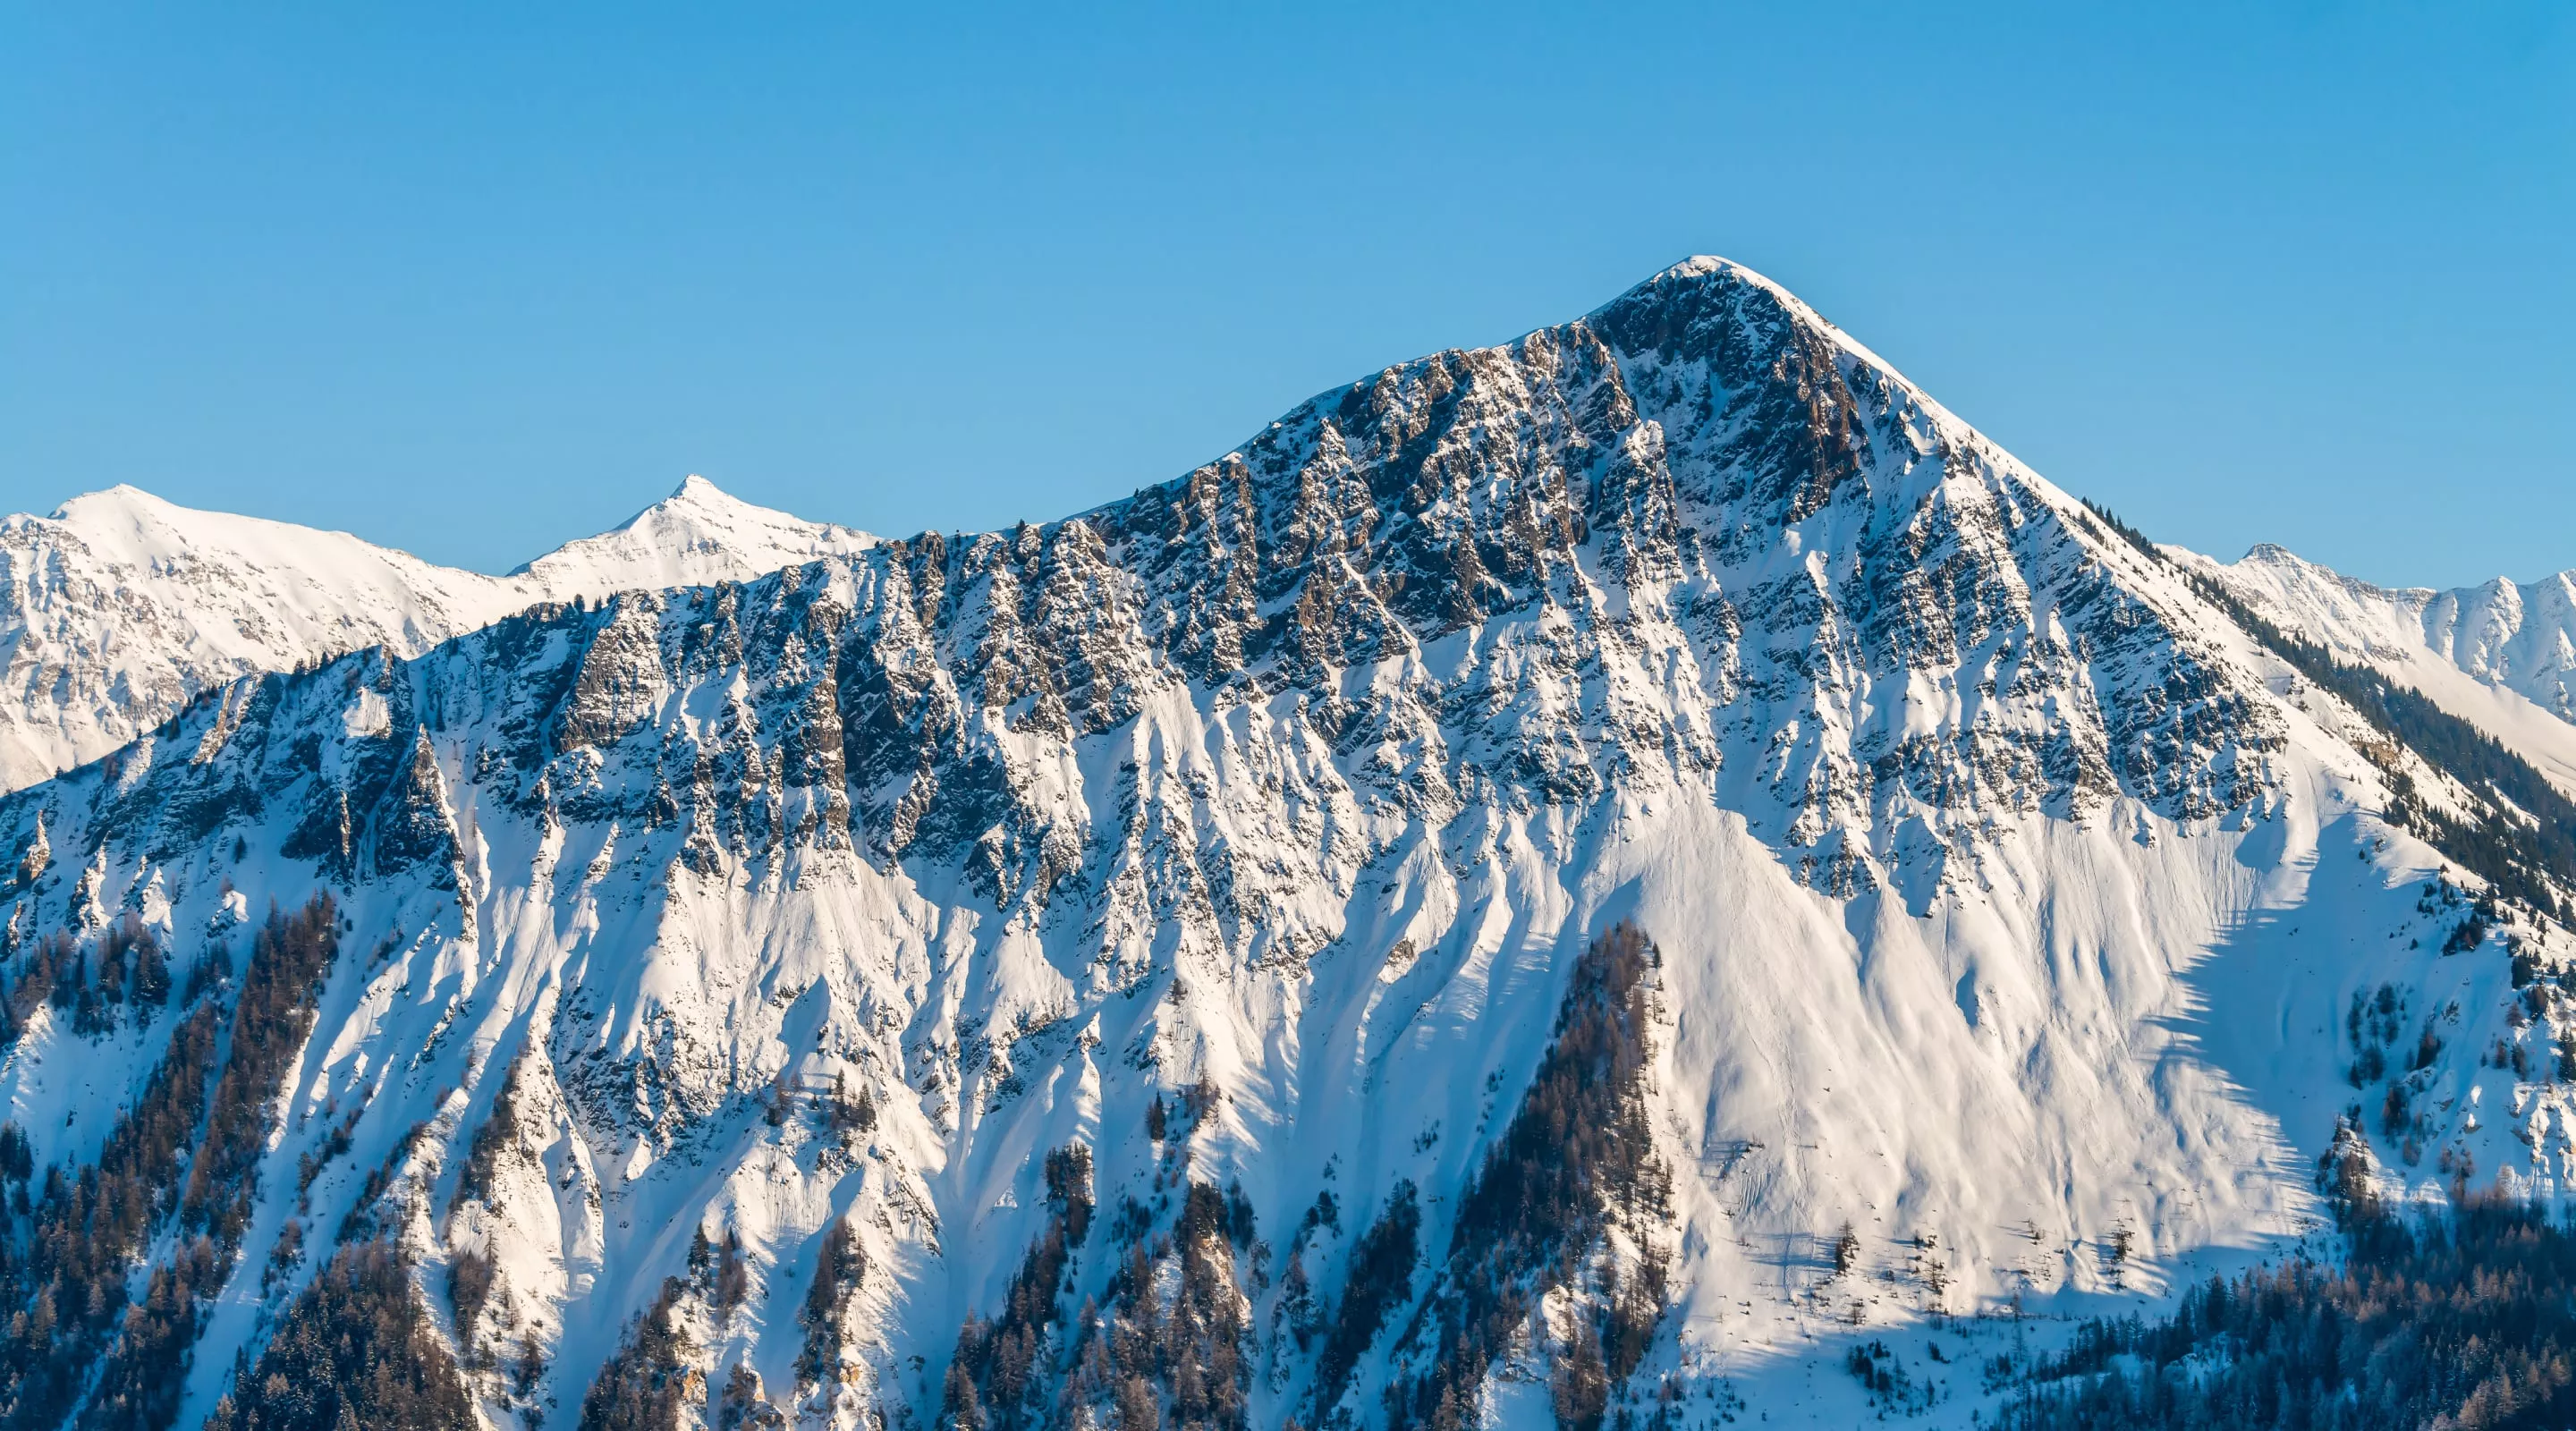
(472, 281)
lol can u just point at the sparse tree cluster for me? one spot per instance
(853, 1112)
(129, 973)
(1297, 1306)
(651, 1377)
(274, 1017)
(2460, 1317)
(720, 1266)
(839, 1267)
(1577, 1157)
(136, 1391)
(2122, 529)
(1167, 1345)
(996, 1378)
(656, 1375)
(470, 1277)
(68, 1252)
(290, 958)
(1183, 1361)
(354, 1349)
(1379, 1279)
(500, 1131)
(1169, 1349)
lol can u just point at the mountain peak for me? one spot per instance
(123, 494)
(696, 498)
(1710, 265)
(126, 524)
(122, 504)
(698, 535)
(131, 604)
(1711, 307)
(697, 491)
(1715, 270)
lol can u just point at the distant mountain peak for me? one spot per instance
(697, 535)
(2501, 654)
(699, 497)
(699, 494)
(122, 496)
(122, 605)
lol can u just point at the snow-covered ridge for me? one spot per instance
(120, 606)
(2501, 655)
(1245, 831)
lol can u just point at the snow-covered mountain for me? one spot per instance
(697, 536)
(2499, 655)
(1587, 871)
(119, 607)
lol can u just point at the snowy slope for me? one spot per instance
(120, 606)
(2007, 910)
(2500, 655)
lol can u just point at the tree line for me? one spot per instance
(2459, 1316)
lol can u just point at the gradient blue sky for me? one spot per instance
(472, 281)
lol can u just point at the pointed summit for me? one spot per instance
(698, 535)
(696, 491)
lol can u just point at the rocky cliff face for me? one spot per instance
(1113, 972)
